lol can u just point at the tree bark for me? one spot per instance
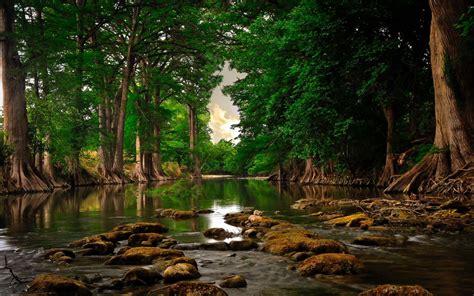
(310, 172)
(192, 122)
(158, 172)
(389, 168)
(21, 174)
(127, 75)
(453, 78)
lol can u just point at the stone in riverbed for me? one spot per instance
(188, 289)
(205, 211)
(179, 272)
(242, 245)
(354, 220)
(236, 219)
(145, 239)
(176, 214)
(233, 281)
(140, 277)
(161, 264)
(142, 227)
(395, 290)
(143, 255)
(98, 248)
(330, 264)
(217, 246)
(51, 284)
(53, 252)
(217, 233)
(290, 239)
(374, 240)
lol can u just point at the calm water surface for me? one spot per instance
(443, 263)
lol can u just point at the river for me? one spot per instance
(442, 263)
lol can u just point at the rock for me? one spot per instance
(205, 211)
(375, 240)
(161, 264)
(167, 243)
(51, 284)
(64, 252)
(217, 233)
(283, 241)
(300, 256)
(243, 245)
(354, 220)
(101, 247)
(330, 264)
(233, 281)
(87, 240)
(251, 233)
(189, 289)
(123, 250)
(140, 277)
(143, 255)
(90, 279)
(394, 290)
(179, 272)
(64, 260)
(112, 236)
(177, 214)
(217, 246)
(236, 219)
(145, 239)
(257, 213)
(141, 227)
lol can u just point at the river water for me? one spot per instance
(442, 263)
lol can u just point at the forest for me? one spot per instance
(106, 92)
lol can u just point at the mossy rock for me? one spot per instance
(375, 240)
(142, 227)
(330, 264)
(143, 255)
(145, 239)
(140, 277)
(189, 289)
(180, 272)
(217, 233)
(52, 284)
(354, 220)
(161, 264)
(395, 290)
(233, 281)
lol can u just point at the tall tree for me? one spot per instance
(452, 156)
(21, 174)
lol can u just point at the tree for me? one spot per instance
(21, 174)
(453, 76)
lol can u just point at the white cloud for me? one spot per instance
(221, 124)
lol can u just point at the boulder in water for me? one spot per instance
(330, 264)
(52, 284)
(395, 290)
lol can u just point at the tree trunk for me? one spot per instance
(310, 173)
(158, 172)
(192, 121)
(122, 108)
(21, 174)
(453, 78)
(389, 168)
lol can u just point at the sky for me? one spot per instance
(223, 113)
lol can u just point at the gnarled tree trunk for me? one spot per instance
(21, 175)
(453, 78)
